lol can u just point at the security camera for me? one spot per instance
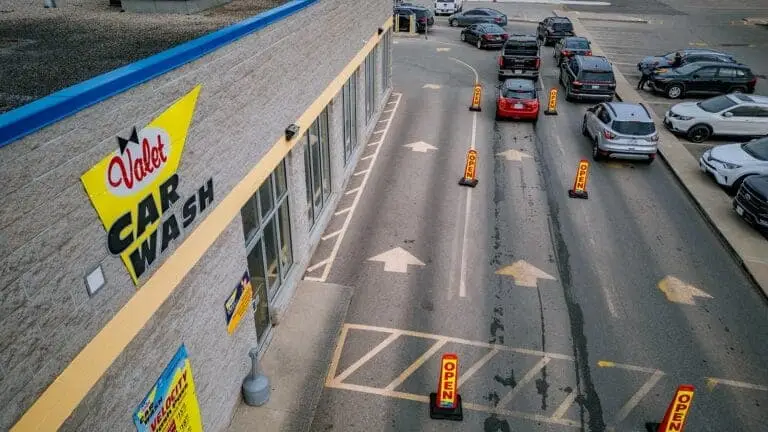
(291, 131)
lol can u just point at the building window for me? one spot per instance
(349, 103)
(370, 84)
(387, 70)
(267, 234)
(317, 163)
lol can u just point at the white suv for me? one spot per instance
(447, 7)
(730, 164)
(734, 114)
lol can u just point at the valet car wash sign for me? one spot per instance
(135, 189)
(171, 405)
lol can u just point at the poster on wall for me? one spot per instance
(135, 189)
(238, 302)
(171, 405)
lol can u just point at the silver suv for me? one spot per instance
(621, 130)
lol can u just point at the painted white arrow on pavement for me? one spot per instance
(420, 146)
(680, 292)
(397, 260)
(443, 49)
(525, 274)
(513, 155)
(431, 86)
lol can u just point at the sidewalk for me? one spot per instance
(746, 244)
(297, 359)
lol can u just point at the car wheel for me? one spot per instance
(463, 37)
(699, 133)
(568, 95)
(498, 117)
(452, 23)
(738, 89)
(584, 130)
(501, 77)
(650, 159)
(479, 44)
(674, 91)
(596, 151)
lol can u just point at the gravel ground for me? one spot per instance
(45, 50)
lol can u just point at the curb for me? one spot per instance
(681, 163)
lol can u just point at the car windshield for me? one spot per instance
(758, 148)
(577, 44)
(716, 104)
(597, 76)
(519, 94)
(633, 127)
(562, 26)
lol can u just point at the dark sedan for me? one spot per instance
(688, 55)
(704, 78)
(477, 16)
(570, 46)
(485, 35)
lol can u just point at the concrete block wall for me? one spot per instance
(50, 235)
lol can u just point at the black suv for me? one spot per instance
(587, 77)
(519, 57)
(751, 202)
(704, 78)
(552, 29)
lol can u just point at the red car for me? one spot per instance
(517, 100)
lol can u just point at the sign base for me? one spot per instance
(468, 182)
(437, 413)
(477, 108)
(652, 427)
(548, 112)
(578, 194)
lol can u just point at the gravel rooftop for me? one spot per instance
(45, 50)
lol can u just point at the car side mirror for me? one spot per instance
(728, 114)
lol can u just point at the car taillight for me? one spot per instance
(487, 37)
(565, 53)
(576, 83)
(589, 53)
(538, 63)
(422, 20)
(501, 61)
(498, 20)
(505, 36)
(608, 134)
(753, 81)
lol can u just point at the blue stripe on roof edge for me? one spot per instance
(29, 118)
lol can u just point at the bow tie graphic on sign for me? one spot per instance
(135, 187)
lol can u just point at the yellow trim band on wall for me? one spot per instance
(65, 393)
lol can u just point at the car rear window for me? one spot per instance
(577, 44)
(519, 94)
(527, 48)
(758, 149)
(716, 104)
(597, 76)
(562, 26)
(493, 28)
(633, 127)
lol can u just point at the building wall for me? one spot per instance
(50, 235)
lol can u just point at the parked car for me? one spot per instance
(552, 29)
(448, 7)
(735, 114)
(476, 16)
(703, 78)
(731, 164)
(518, 100)
(484, 35)
(751, 202)
(424, 16)
(688, 55)
(587, 77)
(570, 46)
(621, 130)
(519, 57)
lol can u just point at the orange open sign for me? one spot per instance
(447, 387)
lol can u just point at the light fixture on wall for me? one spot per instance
(291, 131)
(94, 281)
(381, 30)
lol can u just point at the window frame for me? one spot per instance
(349, 116)
(320, 124)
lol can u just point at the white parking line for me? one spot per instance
(563, 408)
(415, 365)
(367, 157)
(358, 191)
(341, 212)
(331, 235)
(712, 382)
(317, 266)
(529, 376)
(638, 396)
(468, 207)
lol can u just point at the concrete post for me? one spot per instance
(412, 24)
(256, 385)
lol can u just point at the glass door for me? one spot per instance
(256, 267)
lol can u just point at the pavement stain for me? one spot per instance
(508, 381)
(497, 327)
(494, 424)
